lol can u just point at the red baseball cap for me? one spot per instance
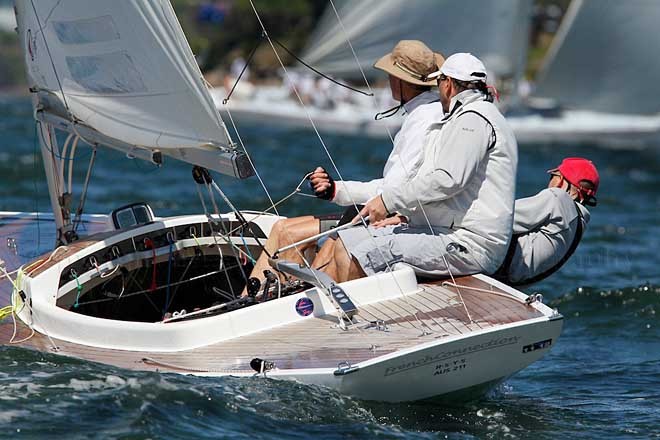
(577, 169)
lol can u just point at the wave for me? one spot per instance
(642, 301)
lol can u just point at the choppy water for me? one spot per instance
(602, 379)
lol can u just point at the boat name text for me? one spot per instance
(429, 359)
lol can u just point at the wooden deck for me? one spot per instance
(433, 313)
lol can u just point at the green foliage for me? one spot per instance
(216, 44)
(12, 69)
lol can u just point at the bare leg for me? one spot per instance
(347, 266)
(283, 233)
(341, 266)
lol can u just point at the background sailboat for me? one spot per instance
(600, 71)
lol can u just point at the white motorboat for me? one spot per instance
(160, 294)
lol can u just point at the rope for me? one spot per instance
(320, 73)
(150, 244)
(83, 195)
(225, 237)
(325, 148)
(169, 272)
(6, 311)
(297, 191)
(247, 63)
(78, 288)
(72, 154)
(140, 292)
(492, 292)
(256, 172)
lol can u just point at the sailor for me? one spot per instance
(548, 227)
(408, 65)
(459, 205)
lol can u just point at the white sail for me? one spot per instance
(124, 68)
(606, 57)
(495, 31)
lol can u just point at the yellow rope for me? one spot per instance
(6, 311)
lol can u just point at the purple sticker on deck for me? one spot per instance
(304, 306)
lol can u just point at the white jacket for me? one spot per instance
(406, 156)
(467, 179)
(546, 224)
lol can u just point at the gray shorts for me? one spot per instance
(428, 254)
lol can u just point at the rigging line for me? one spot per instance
(263, 185)
(457, 289)
(83, 195)
(72, 154)
(309, 116)
(64, 150)
(346, 86)
(36, 192)
(147, 291)
(256, 173)
(232, 246)
(492, 292)
(317, 134)
(228, 239)
(389, 132)
(209, 221)
(247, 63)
(185, 272)
(169, 275)
(282, 200)
(50, 57)
(239, 217)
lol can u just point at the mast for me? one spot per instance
(59, 200)
(521, 45)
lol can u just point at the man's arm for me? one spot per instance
(347, 192)
(456, 160)
(533, 212)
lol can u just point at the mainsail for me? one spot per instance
(606, 57)
(123, 69)
(495, 31)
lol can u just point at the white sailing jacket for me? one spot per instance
(406, 156)
(546, 225)
(466, 182)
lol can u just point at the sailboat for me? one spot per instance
(595, 78)
(159, 294)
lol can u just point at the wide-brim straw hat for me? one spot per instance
(411, 61)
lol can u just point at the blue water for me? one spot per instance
(602, 379)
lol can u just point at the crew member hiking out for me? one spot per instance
(548, 227)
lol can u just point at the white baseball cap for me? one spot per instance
(463, 67)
